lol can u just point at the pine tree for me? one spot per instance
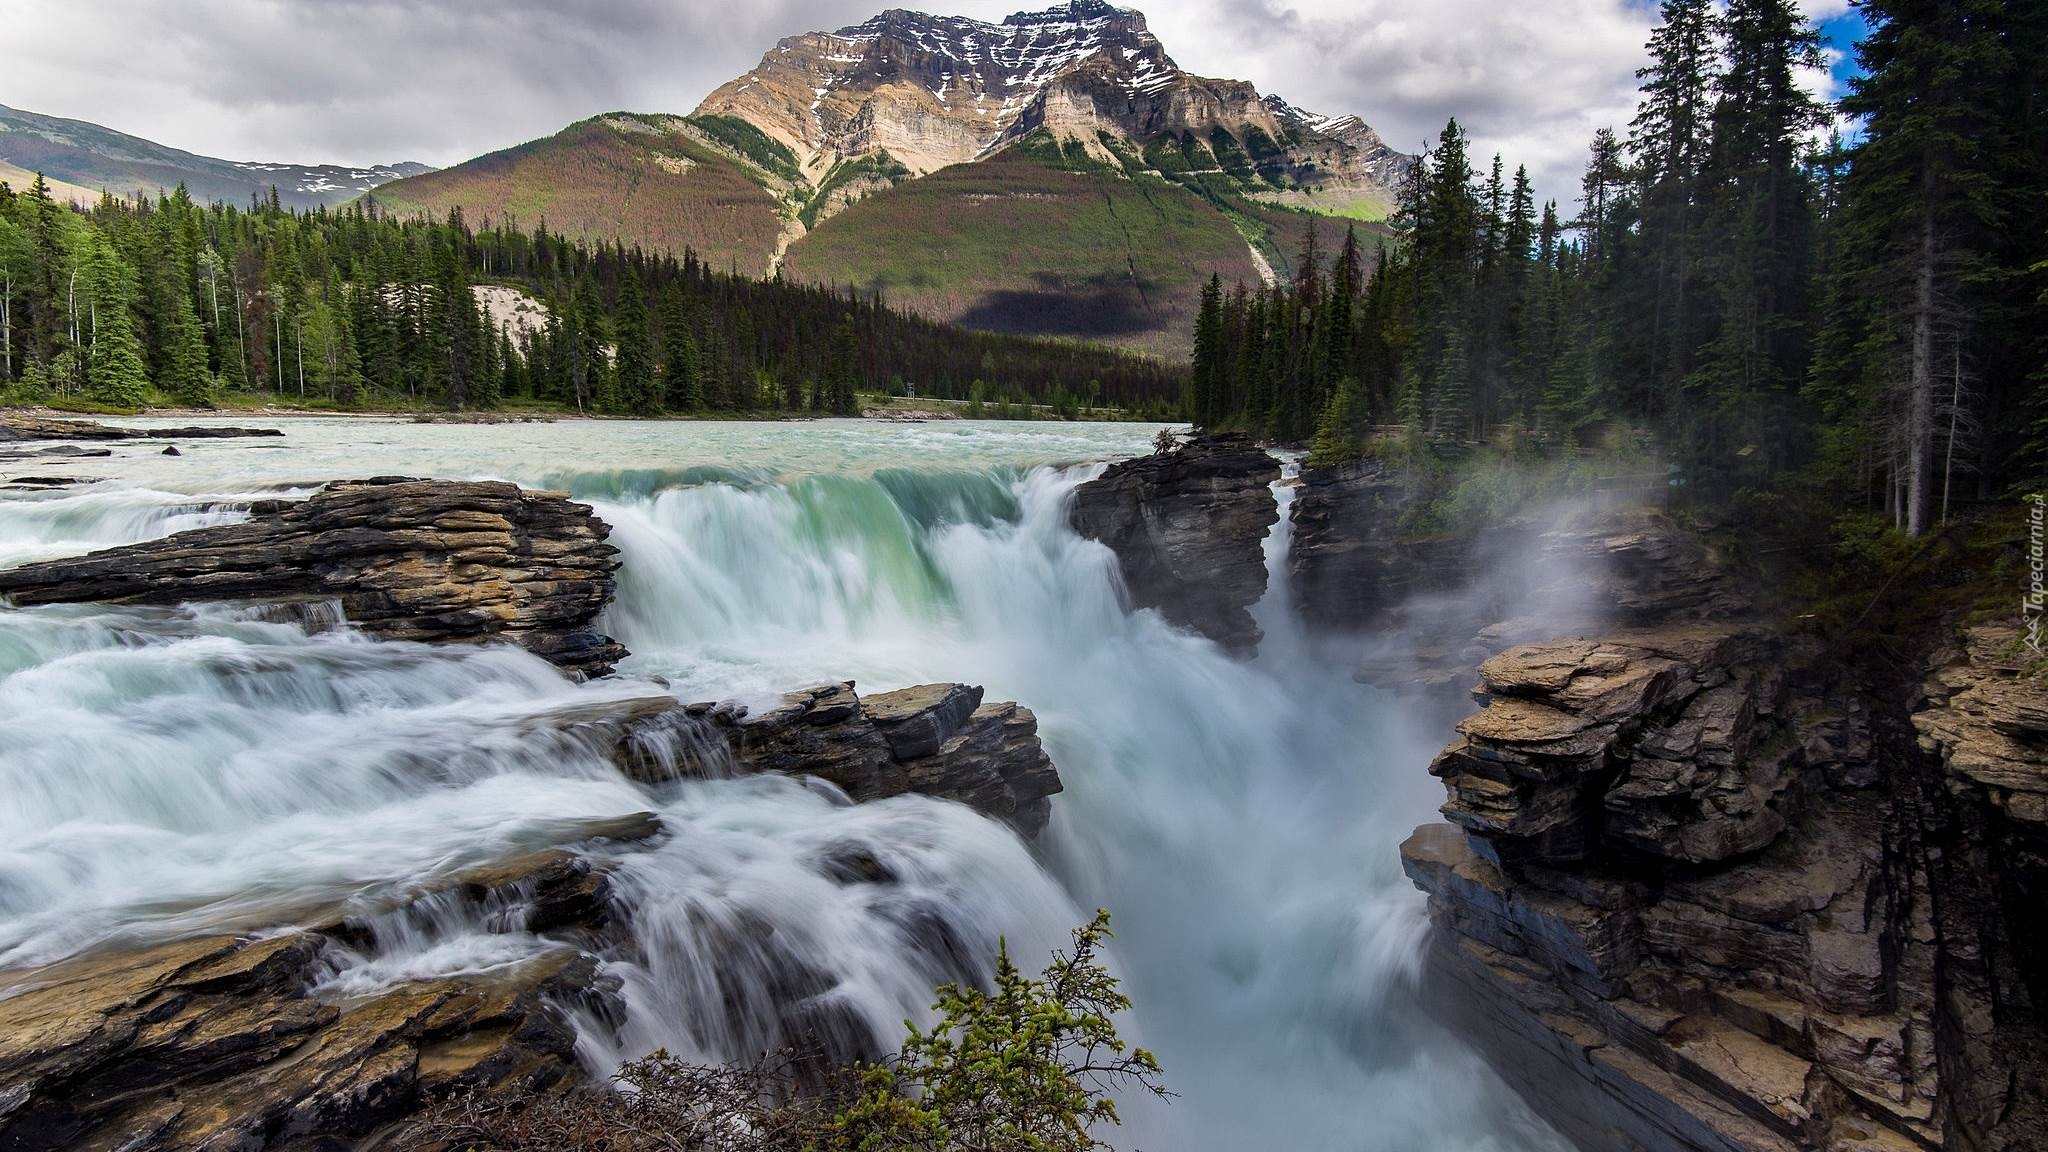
(845, 378)
(1199, 405)
(1669, 139)
(681, 381)
(639, 392)
(186, 376)
(1923, 201)
(16, 265)
(1762, 217)
(112, 356)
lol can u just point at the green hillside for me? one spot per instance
(1040, 240)
(649, 181)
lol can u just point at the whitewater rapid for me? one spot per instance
(171, 771)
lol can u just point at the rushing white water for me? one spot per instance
(169, 770)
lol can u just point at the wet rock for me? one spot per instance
(215, 1043)
(916, 721)
(47, 428)
(172, 450)
(54, 450)
(935, 739)
(855, 864)
(1353, 564)
(428, 560)
(1188, 527)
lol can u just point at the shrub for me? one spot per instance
(1025, 1066)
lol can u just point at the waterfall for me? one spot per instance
(173, 770)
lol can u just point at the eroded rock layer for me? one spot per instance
(426, 560)
(48, 428)
(1188, 527)
(1700, 891)
(936, 740)
(233, 1041)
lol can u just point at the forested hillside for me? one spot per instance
(147, 301)
(1864, 316)
(652, 182)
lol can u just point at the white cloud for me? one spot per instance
(1530, 80)
(366, 81)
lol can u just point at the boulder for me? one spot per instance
(1188, 527)
(936, 740)
(428, 560)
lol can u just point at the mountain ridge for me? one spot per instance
(938, 90)
(101, 159)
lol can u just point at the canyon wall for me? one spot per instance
(1707, 882)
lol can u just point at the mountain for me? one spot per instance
(662, 182)
(82, 159)
(938, 90)
(1052, 174)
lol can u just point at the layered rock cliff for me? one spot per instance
(1701, 889)
(936, 740)
(428, 560)
(1188, 527)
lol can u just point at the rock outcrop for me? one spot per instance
(1699, 892)
(1981, 734)
(936, 740)
(1358, 564)
(1351, 565)
(47, 428)
(1188, 527)
(426, 560)
(231, 1041)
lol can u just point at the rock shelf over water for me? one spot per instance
(48, 428)
(427, 560)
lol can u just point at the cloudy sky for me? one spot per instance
(369, 81)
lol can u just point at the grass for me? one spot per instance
(647, 185)
(1041, 239)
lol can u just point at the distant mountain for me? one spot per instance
(938, 90)
(92, 159)
(1052, 174)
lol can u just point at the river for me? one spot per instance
(168, 771)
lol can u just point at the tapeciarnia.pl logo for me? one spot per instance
(2032, 604)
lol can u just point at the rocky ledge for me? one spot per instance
(427, 560)
(47, 428)
(936, 740)
(237, 1041)
(1188, 527)
(1700, 892)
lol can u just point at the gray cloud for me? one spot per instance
(366, 81)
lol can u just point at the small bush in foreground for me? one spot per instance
(1027, 1066)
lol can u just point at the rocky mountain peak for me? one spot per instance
(931, 91)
